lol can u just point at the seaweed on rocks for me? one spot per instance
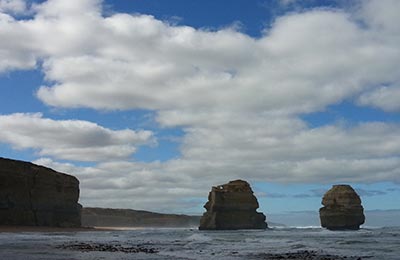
(306, 255)
(102, 247)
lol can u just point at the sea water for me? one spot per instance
(367, 243)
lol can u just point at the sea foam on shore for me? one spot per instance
(170, 243)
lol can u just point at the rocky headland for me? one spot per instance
(33, 195)
(342, 209)
(103, 217)
(232, 206)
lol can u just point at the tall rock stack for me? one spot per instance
(342, 209)
(232, 206)
(33, 195)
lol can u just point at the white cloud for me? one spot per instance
(237, 98)
(62, 8)
(70, 139)
(305, 62)
(385, 97)
(286, 152)
(13, 6)
(381, 16)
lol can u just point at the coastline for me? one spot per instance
(20, 229)
(39, 243)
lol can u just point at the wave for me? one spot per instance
(198, 238)
(296, 227)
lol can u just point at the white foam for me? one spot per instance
(198, 238)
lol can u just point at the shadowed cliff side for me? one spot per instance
(33, 195)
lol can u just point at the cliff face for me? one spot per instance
(342, 209)
(232, 206)
(33, 195)
(101, 217)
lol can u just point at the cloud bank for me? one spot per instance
(238, 99)
(70, 139)
(13, 6)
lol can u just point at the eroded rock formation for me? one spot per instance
(232, 206)
(342, 209)
(33, 195)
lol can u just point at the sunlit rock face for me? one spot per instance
(232, 206)
(342, 209)
(33, 195)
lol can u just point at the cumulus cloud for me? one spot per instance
(303, 63)
(13, 6)
(237, 98)
(69, 139)
(339, 155)
(385, 97)
(381, 16)
(123, 184)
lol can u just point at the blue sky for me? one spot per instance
(150, 103)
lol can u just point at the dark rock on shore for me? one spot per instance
(306, 255)
(102, 247)
(232, 206)
(342, 209)
(101, 217)
(32, 195)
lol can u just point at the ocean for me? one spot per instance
(167, 243)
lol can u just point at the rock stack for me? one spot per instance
(342, 209)
(232, 206)
(32, 195)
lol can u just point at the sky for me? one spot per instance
(149, 103)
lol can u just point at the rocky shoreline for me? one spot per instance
(306, 255)
(113, 248)
(103, 247)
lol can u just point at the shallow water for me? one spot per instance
(377, 243)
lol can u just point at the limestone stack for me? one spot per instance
(33, 195)
(342, 209)
(232, 206)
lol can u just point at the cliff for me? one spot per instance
(232, 206)
(101, 217)
(33, 195)
(342, 209)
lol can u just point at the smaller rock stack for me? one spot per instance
(342, 209)
(232, 206)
